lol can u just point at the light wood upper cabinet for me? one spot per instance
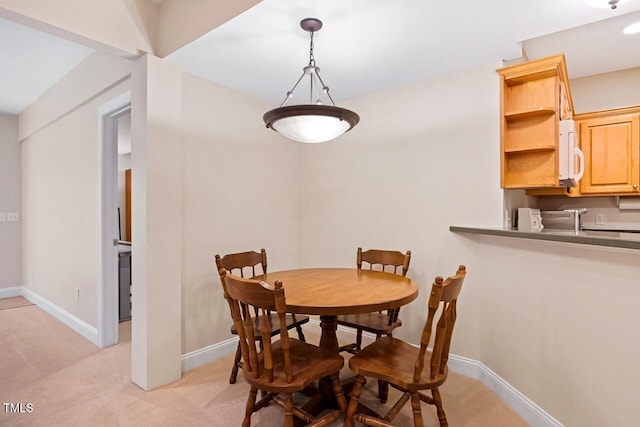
(610, 141)
(534, 96)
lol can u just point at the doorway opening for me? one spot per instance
(113, 293)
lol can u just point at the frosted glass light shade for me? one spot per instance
(311, 123)
(311, 128)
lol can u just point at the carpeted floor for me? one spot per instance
(13, 302)
(70, 382)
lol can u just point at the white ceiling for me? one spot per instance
(594, 48)
(30, 63)
(365, 45)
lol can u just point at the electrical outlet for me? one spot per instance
(600, 219)
(13, 216)
(3, 216)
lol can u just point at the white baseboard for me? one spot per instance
(521, 404)
(14, 291)
(78, 325)
(208, 354)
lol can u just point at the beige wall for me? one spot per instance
(95, 74)
(10, 232)
(424, 157)
(557, 323)
(240, 192)
(561, 335)
(606, 91)
(60, 190)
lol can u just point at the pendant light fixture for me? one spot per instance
(315, 121)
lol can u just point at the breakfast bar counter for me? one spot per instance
(612, 239)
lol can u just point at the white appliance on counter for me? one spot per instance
(569, 155)
(529, 220)
(568, 219)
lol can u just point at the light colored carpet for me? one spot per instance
(13, 302)
(70, 382)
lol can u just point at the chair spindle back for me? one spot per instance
(247, 299)
(240, 263)
(386, 261)
(444, 295)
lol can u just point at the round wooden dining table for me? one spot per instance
(330, 292)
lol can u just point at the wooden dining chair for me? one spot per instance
(378, 323)
(407, 368)
(284, 366)
(245, 263)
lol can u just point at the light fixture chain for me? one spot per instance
(312, 60)
(312, 63)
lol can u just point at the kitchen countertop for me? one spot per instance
(612, 239)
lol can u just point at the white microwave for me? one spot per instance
(570, 157)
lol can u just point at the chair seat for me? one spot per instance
(393, 360)
(376, 323)
(306, 359)
(292, 320)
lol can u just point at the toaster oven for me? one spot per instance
(568, 219)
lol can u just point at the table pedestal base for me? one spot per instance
(324, 396)
(328, 338)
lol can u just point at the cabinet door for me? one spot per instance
(611, 146)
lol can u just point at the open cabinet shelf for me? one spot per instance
(534, 97)
(523, 168)
(509, 151)
(527, 114)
